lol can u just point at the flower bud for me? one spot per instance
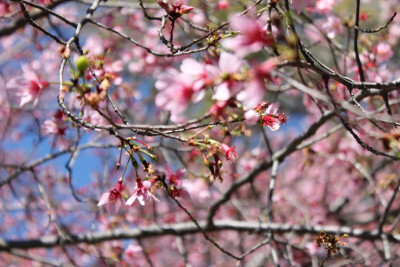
(185, 9)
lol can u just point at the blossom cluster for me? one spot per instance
(114, 198)
(267, 114)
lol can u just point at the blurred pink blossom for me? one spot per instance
(324, 6)
(29, 86)
(203, 74)
(251, 38)
(229, 66)
(383, 52)
(252, 117)
(175, 92)
(333, 26)
(298, 4)
(255, 88)
(130, 254)
(175, 183)
(221, 5)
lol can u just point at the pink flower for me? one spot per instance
(175, 8)
(113, 199)
(130, 254)
(230, 153)
(141, 193)
(175, 92)
(203, 74)
(333, 26)
(252, 117)
(174, 178)
(252, 35)
(271, 117)
(273, 123)
(175, 183)
(255, 88)
(93, 117)
(272, 108)
(222, 5)
(324, 6)
(383, 51)
(252, 93)
(298, 4)
(217, 109)
(52, 127)
(229, 63)
(229, 67)
(222, 92)
(29, 86)
(56, 125)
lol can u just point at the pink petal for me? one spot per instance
(230, 63)
(141, 200)
(132, 199)
(150, 195)
(222, 92)
(180, 173)
(117, 204)
(252, 117)
(105, 198)
(185, 194)
(275, 126)
(272, 108)
(191, 67)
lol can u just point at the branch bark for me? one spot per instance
(187, 228)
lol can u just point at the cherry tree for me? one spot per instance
(199, 133)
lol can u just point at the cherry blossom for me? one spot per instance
(142, 193)
(29, 86)
(272, 122)
(230, 153)
(175, 183)
(251, 38)
(324, 6)
(113, 199)
(229, 68)
(56, 125)
(299, 4)
(175, 92)
(383, 52)
(333, 26)
(255, 87)
(222, 4)
(175, 8)
(203, 74)
(131, 254)
(252, 117)
(270, 116)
